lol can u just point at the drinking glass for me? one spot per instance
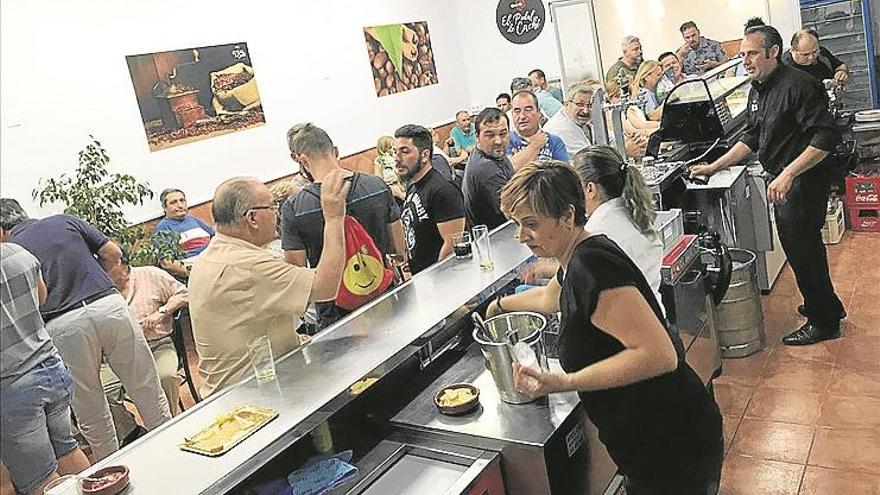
(483, 245)
(262, 359)
(461, 245)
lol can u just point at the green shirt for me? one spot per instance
(611, 75)
(464, 141)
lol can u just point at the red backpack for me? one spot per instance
(364, 277)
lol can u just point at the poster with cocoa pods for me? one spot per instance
(194, 94)
(401, 57)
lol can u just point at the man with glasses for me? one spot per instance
(238, 291)
(807, 55)
(302, 221)
(570, 124)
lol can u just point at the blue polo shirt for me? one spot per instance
(554, 149)
(66, 247)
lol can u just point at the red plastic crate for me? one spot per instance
(862, 192)
(864, 219)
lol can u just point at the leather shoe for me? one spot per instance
(802, 310)
(810, 334)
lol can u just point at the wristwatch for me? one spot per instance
(163, 310)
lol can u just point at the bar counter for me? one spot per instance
(313, 381)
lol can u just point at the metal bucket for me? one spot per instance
(529, 328)
(739, 318)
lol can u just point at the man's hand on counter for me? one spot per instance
(703, 170)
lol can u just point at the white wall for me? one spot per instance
(65, 76)
(491, 61)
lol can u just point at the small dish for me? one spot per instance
(458, 408)
(108, 481)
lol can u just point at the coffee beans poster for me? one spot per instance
(400, 56)
(196, 93)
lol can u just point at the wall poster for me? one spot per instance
(401, 57)
(196, 93)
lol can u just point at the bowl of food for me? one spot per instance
(108, 481)
(458, 398)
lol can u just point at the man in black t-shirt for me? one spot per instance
(487, 170)
(302, 220)
(434, 208)
(806, 54)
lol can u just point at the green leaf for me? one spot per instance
(391, 39)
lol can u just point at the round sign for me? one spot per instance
(520, 21)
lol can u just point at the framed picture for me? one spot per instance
(400, 56)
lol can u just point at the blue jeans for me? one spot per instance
(35, 420)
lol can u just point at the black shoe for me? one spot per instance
(803, 312)
(136, 433)
(810, 334)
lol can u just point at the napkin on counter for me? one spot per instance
(322, 475)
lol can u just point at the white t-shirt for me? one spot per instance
(612, 219)
(572, 135)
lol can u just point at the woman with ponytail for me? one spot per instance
(619, 205)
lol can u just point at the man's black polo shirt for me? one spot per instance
(787, 112)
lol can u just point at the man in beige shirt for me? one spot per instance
(239, 291)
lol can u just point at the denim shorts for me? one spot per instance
(35, 420)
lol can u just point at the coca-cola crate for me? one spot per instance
(862, 191)
(864, 219)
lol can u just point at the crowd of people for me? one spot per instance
(275, 262)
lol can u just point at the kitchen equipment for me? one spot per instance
(529, 328)
(739, 317)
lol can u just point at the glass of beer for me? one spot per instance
(262, 359)
(461, 245)
(483, 246)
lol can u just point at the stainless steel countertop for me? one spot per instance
(493, 421)
(721, 180)
(311, 377)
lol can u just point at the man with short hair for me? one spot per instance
(462, 132)
(194, 233)
(487, 170)
(547, 104)
(807, 55)
(672, 74)
(371, 203)
(790, 127)
(238, 291)
(87, 318)
(628, 64)
(569, 124)
(153, 296)
(35, 385)
(539, 83)
(502, 101)
(433, 209)
(698, 54)
(528, 142)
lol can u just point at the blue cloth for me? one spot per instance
(194, 233)
(556, 92)
(323, 475)
(35, 420)
(647, 100)
(553, 150)
(66, 247)
(463, 140)
(547, 103)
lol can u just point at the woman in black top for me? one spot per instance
(658, 422)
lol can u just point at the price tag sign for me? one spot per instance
(520, 21)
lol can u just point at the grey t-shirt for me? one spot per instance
(24, 342)
(369, 201)
(484, 176)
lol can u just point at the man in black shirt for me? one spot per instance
(806, 54)
(302, 220)
(433, 209)
(487, 170)
(792, 130)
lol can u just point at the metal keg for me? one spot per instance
(739, 318)
(529, 328)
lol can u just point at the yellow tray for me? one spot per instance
(228, 430)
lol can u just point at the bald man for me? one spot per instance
(806, 54)
(238, 291)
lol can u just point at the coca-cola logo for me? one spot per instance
(867, 198)
(520, 21)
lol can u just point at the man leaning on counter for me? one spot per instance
(238, 291)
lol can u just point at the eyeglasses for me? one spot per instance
(583, 106)
(274, 208)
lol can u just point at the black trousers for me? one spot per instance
(698, 476)
(799, 221)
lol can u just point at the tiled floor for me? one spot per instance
(806, 420)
